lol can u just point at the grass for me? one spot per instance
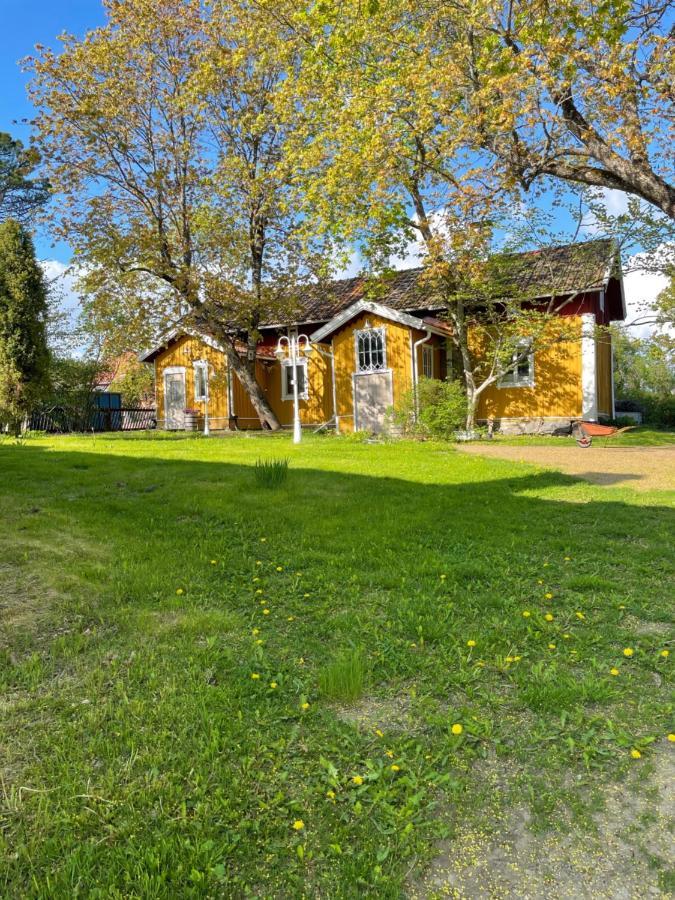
(343, 678)
(175, 637)
(271, 473)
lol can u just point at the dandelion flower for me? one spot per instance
(263, 540)
(298, 825)
(255, 676)
(635, 753)
(548, 596)
(470, 643)
(526, 614)
(395, 768)
(622, 606)
(280, 568)
(255, 632)
(389, 753)
(546, 565)
(259, 641)
(567, 636)
(457, 728)
(568, 558)
(357, 780)
(665, 653)
(305, 596)
(266, 612)
(259, 591)
(628, 651)
(330, 795)
(379, 733)
(580, 616)
(255, 579)
(290, 619)
(614, 671)
(549, 617)
(304, 705)
(540, 580)
(671, 737)
(258, 562)
(179, 591)
(517, 658)
(214, 562)
(273, 685)
(509, 659)
(443, 577)
(301, 661)
(551, 646)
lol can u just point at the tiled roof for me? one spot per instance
(537, 273)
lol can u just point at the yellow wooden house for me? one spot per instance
(370, 344)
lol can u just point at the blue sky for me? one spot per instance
(25, 23)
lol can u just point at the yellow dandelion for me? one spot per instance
(665, 653)
(628, 651)
(622, 606)
(470, 643)
(179, 591)
(457, 728)
(546, 565)
(379, 733)
(389, 753)
(258, 562)
(305, 596)
(330, 795)
(301, 661)
(551, 646)
(266, 612)
(549, 617)
(256, 579)
(443, 577)
(263, 540)
(580, 616)
(517, 658)
(548, 596)
(259, 641)
(291, 619)
(635, 753)
(357, 780)
(259, 591)
(298, 825)
(214, 562)
(395, 768)
(671, 737)
(526, 614)
(255, 631)
(280, 568)
(567, 558)
(273, 685)
(509, 659)
(540, 580)
(567, 636)
(304, 705)
(255, 676)
(614, 671)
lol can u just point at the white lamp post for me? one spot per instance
(293, 348)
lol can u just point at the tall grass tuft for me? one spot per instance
(343, 679)
(271, 473)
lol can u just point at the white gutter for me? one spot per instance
(415, 375)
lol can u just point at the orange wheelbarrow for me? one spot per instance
(584, 432)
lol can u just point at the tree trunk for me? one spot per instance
(248, 380)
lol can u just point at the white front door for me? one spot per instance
(174, 399)
(373, 394)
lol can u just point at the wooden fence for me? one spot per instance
(58, 420)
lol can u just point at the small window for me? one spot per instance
(371, 353)
(287, 380)
(201, 380)
(428, 362)
(522, 374)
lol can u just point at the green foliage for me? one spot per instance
(441, 409)
(135, 384)
(643, 366)
(24, 357)
(20, 196)
(271, 473)
(343, 678)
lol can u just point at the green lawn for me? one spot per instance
(212, 688)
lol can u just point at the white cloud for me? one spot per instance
(66, 301)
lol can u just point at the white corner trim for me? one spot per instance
(589, 391)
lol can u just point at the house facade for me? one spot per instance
(372, 341)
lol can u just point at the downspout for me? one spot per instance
(415, 348)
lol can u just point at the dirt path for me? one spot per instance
(643, 468)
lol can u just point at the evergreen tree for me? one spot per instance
(24, 357)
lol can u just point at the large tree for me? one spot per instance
(161, 135)
(21, 195)
(24, 357)
(572, 90)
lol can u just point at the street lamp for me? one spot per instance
(292, 348)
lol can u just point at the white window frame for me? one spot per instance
(381, 330)
(512, 379)
(201, 365)
(288, 395)
(427, 361)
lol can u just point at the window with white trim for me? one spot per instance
(427, 361)
(522, 374)
(287, 379)
(201, 374)
(371, 351)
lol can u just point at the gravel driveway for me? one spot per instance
(642, 468)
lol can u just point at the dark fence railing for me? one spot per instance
(58, 420)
